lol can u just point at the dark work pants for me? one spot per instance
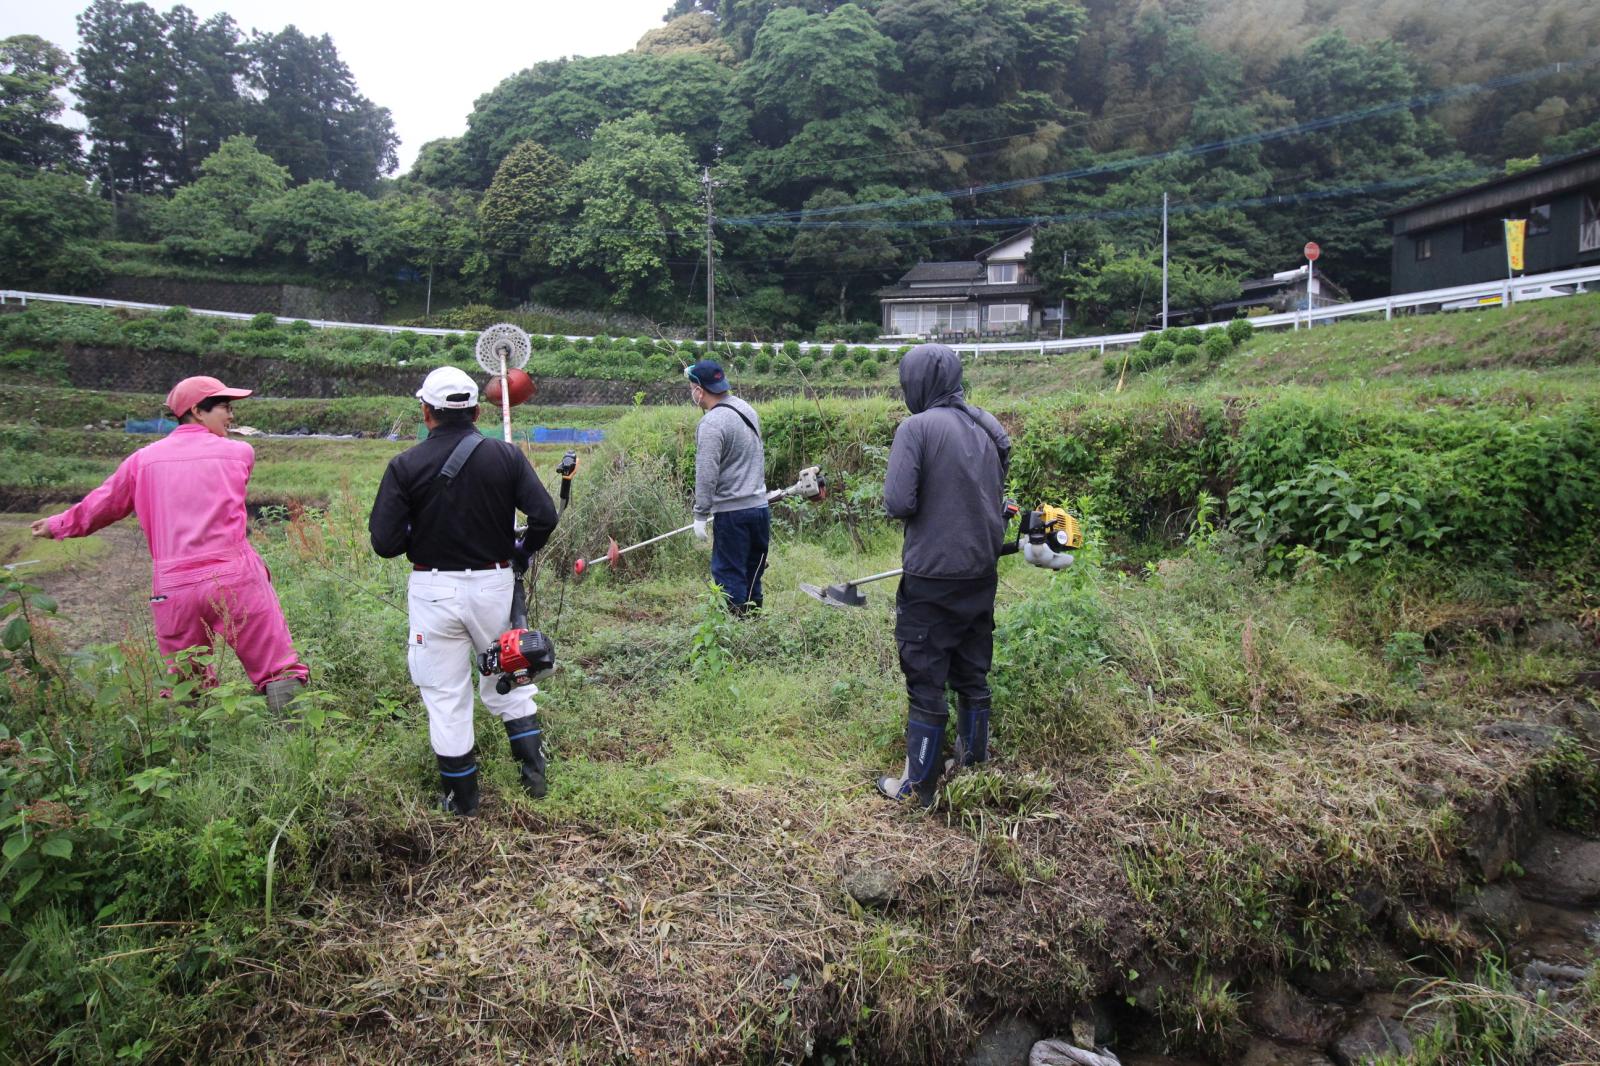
(945, 630)
(739, 553)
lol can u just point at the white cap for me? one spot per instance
(448, 387)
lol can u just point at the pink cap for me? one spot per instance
(190, 391)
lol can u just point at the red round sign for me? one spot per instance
(1312, 251)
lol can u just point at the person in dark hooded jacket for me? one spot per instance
(946, 480)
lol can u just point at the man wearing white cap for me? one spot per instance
(449, 505)
(188, 490)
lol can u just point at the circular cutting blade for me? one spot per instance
(503, 341)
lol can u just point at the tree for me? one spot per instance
(1200, 288)
(441, 164)
(48, 222)
(694, 32)
(32, 70)
(520, 212)
(430, 233)
(209, 68)
(806, 68)
(563, 102)
(841, 254)
(635, 198)
(317, 224)
(125, 89)
(211, 219)
(976, 53)
(313, 117)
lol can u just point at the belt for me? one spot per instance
(501, 565)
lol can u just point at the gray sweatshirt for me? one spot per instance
(729, 465)
(947, 472)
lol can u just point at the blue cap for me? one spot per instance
(707, 373)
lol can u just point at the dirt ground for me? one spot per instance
(101, 583)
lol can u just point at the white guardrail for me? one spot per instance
(1485, 294)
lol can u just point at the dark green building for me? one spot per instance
(1459, 238)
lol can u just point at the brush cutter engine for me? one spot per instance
(520, 657)
(1047, 536)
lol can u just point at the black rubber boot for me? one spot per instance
(459, 776)
(527, 747)
(972, 732)
(282, 693)
(919, 781)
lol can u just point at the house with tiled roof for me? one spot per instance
(990, 294)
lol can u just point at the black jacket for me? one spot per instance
(947, 472)
(470, 523)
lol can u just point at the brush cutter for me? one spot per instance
(810, 485)
(1043, 538)
(521, 655)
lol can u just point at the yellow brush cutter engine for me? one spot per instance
(1046, 537)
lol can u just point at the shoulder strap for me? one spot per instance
(742, 418)
(1000, 450)
(440, 485)
(458, 458)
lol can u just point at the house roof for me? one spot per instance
(1556, 176)
(904, 293)
(958, 270)
(1025, 231)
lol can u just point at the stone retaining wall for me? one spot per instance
(127, 370)
(290, 301)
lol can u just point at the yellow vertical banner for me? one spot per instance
(1516, 234)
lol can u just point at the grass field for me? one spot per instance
(1215, 752)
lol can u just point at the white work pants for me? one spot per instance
(456, 614)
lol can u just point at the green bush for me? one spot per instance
(1187, 335)
(1218, 345)
(791, 348)
(175, 313)
(805, 365)
(1239, 330)
(839, 351)
(265, 320)
(1149, 341)
(763, 363)
(1185, 354)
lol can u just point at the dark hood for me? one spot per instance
(930, 376)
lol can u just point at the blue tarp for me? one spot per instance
(149, 425)
(536, 434)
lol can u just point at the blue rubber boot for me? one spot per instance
(919, 782)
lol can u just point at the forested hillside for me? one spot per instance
(844, 142)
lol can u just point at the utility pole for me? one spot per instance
(711, 269)
(1163, 261)
(1061, 323)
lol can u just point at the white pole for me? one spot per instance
(1311, 281)
(505, 396)
(1163, 260)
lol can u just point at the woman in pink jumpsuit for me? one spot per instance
(188, 490)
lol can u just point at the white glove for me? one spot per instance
(700, 529)
(1043, 555)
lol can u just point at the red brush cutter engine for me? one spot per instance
(520, 657)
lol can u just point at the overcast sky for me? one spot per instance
(425, 62)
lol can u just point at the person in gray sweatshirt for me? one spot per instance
(730, 484)
(946, 481)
